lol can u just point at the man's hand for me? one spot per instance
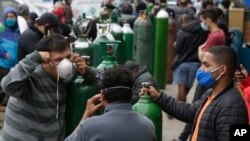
(7, 56)
(201, 51)
(242, 74)
(93, 105)
(81, 64)
(150, 90)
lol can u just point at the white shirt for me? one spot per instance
(22, 24)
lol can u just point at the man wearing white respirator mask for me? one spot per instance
(37, 86)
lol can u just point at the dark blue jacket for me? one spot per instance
(189, 38)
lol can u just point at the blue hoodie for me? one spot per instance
(9, 41)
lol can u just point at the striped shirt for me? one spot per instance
(32, 107)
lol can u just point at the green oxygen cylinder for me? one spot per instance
(103, 34)
(161, 48)
(82, 47)
(128, 41)
(80, 90)
(109, 49)
(116, 31)
(142, 40)
(148, 108)
(153, 45)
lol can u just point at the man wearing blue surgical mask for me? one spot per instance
(219, 107)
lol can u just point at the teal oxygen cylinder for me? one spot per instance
(82, 47)
(128, 41)
(148, 108)
(109, 49)
(161, 47)
(116, 31)
(143, 40)
(103, 34)
(80, 90)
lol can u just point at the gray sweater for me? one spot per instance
(31, 113)
(118, 123)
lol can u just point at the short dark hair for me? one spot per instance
(141, 6)
(131, 65)
(210, 13)
(185, 18)
(122, 79)
(225, 3)
(53, 43)
(206, 3)
(225, 55)
(126, 8)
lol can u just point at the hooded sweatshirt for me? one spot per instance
(9, 41)
(189, 38)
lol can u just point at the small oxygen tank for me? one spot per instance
(109, 49)
(128, 41)
(148, 108)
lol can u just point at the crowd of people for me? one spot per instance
(34, 91)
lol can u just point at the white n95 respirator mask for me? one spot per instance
(65, 69)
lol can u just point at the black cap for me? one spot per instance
(130, 64)
(51, 19)
(48, 18)
(23, 10)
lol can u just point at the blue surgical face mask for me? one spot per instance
(205, 79)
(204, 27)
(10, 22)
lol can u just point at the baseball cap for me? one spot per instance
(51, 19)
(33, 15)
(48, 18)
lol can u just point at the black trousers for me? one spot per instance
(3, 97)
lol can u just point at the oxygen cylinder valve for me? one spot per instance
(146, 84)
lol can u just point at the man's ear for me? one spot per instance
(224, 70)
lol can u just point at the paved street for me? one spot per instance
(171, 128)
